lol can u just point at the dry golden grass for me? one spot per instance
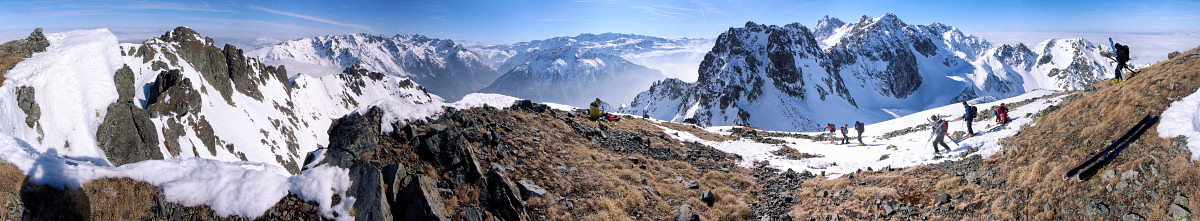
(120, 199)
(11, 179)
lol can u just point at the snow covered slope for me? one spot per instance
(72, 82)
(202, 101)
(876, 69)
(444, 67)
(910, 149)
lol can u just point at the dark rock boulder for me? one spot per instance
(127, 135)
(35, 42)
(529, 105)
(15, 51)
(367, 190)
(445, 147)
(27, 103)
(420, 201)
(530, 189)
(353, 136)
(708, 197)
(396, 177)
(685, 213)
(502, 197)
(124, 80)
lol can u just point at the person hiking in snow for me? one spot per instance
(1002, 114)
(595, 112)
(939, 132)
(1121, 52)
(859, 127)
(970, 116)
(832, 129)
(845, 139)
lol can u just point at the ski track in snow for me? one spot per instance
(912, 149)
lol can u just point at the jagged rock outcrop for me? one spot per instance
(127, 135)
(172, 95)
(352, 137)
(502, 196)
(419, 200)
(241, 73)
(16, 51)
(201, 54)
(27, 103)
(367, 189)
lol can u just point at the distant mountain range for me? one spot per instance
(776, 77)
(563, 70)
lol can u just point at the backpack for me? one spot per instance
(858, 126)
(1122, 52)
(971, 112)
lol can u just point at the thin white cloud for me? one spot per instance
(312, 18)
(204, 7)
(707, 7)
(660, 11)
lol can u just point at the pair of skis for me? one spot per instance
(1111, 152)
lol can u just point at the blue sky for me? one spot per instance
(495, 21)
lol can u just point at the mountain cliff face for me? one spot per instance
(448, 69)
(575, 70)
(793, 78)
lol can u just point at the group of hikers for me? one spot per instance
(858, 126)
(941, 126)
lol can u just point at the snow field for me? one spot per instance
(1182, 118)
(911, 149)
(245, 189)
(73, 87)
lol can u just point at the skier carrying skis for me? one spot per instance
(845, 139)
(1122, 56)
(939, 133)
(1002, 114)
(970, 116)
(832, 129)
(859, 127)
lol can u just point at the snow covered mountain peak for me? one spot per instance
(184, 34)
(445, 67)
(826, 27)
